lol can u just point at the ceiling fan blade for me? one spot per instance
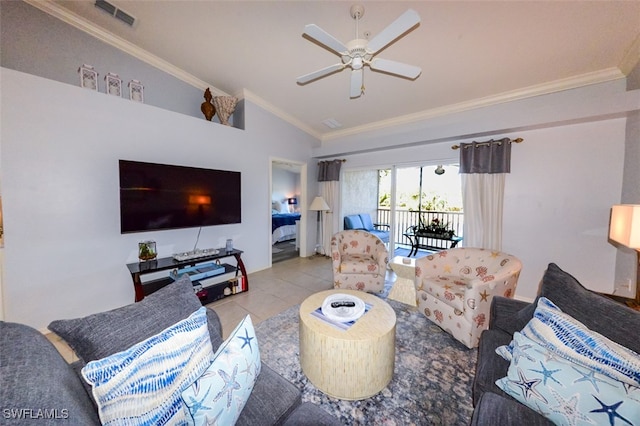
(356, 83)
(397, 68)
(323, 37)
(304, 79)
(405, 22)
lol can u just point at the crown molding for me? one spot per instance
(82, 24)
(527, 92)
(631, 57)
(629, 61)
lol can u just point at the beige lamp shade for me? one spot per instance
(625, 225)
(319, 204)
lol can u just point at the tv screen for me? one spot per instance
(161, 196)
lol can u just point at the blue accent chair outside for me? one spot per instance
(363, 222)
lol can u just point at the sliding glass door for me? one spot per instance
(405, 197)
(418, 197)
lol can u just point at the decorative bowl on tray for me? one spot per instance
(343, 307)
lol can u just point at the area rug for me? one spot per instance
(431, 383)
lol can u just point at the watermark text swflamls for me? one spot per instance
(35, 413)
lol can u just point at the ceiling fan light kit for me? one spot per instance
(359, 52)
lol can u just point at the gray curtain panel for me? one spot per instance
(329, 170)
(493, 156)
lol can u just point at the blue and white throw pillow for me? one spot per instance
(219, 396)
(567, 337)
(142, 385)
(567, 393)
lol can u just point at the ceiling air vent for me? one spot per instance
(115, 12)
(332, 123)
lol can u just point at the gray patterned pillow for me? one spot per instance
(100, 335)
(597, 312)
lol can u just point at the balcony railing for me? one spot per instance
(407, 218)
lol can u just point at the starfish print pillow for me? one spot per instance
(570, 339)
(567, 393)
(220, 394)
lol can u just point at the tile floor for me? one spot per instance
(271, 291)
(274, 290)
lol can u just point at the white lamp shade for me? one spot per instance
(319, 204)
(625, 225)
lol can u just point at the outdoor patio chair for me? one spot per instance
(363, 222)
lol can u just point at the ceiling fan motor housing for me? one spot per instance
(357, 49)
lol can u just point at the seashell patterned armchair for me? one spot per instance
(359, 261)
(455, 288)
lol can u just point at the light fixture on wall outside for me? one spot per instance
(625, 230)
(439, 170)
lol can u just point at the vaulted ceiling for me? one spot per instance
(472, 53)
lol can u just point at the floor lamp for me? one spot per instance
(625, 230)
(319, 205)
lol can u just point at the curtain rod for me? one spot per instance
(343, 160)
(518, 140)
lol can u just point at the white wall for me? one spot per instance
(562, 184)
(285, 184)
(565, 176)
(626, 258)
(64, 255)
(34, 42)
(60, 144)
(587, 103)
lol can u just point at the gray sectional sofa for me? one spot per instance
(599, 313)
(37, 386)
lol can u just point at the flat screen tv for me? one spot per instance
(161, 196)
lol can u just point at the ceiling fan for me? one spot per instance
(360, 52)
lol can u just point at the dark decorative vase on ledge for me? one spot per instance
(207, 107)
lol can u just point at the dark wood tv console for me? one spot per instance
(213, 287)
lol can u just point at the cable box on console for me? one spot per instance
(195, 254)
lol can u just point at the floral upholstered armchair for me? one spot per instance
(455, 288)
(359, 261)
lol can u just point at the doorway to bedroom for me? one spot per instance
(286, 199)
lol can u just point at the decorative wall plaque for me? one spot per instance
(136, 91)
(88, 77)
(113, 84)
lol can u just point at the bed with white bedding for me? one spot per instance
(283, 226)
